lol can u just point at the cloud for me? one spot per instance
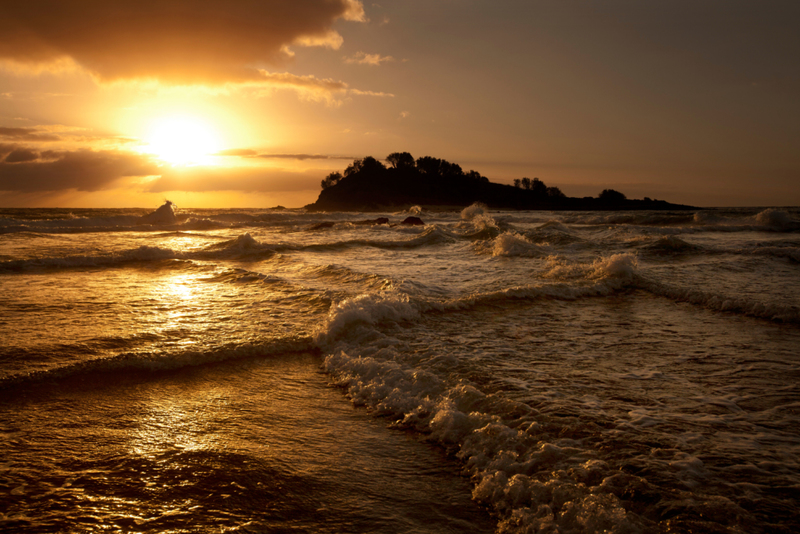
(310, 87)
(331, 40)
(404, 115)
(362, 58)
(370, 93)
(26, 170)
(309, 83)
(21, 155)
(26, 134)
(173, 41)
(303, 156)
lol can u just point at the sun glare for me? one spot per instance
(182, 141)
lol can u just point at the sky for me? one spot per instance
(252, 103)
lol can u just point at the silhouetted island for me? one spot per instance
(369, 185)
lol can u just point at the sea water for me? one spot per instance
(186, 370)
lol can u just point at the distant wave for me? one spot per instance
(791, 253)
(243, 246)
(144, 253)
(768, 220)
(670, 246)
(165, 217)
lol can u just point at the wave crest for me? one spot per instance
(776, 218)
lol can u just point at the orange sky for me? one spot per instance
(252, 103)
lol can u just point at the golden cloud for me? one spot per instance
(172, 41)
(374, 60)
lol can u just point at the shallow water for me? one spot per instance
(248, 370)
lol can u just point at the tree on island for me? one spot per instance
(610, 195)
(367, 165)
(331, 180)
(401, 160)
(367, 184)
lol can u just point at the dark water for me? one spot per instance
(251, 370)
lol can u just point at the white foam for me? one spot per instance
(620, 266)
(474, 210)
(510, 244)
(369, 309)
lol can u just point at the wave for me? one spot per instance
(602, 277)
(790, 252)
(511, 244)
(736, 220)
(630, 218)
(144, 253)
(165, 217)
(776, 218)
(670, 246)
(768, 220)
(724, 303)
(148, 362)
(242, 247)
(431, 235)
(499, 440)
(522, 465)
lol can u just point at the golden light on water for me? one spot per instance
(182, 140)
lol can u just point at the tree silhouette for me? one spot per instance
(331, 180)
(517, 183)
(554, 192)
(610, 195)
(538, 187)
(450, 169)
(372, 165)
(401, 160)
(476, 176)
(368, 164)
(526, 183)
(429, 165)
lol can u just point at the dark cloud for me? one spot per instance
(21, 155)
(29, 170)
(179, 41)
(26, 134)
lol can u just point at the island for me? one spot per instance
(432, 183)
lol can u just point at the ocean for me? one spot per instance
(233, 370)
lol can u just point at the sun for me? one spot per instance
(182, 140)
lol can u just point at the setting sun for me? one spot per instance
(182, 140)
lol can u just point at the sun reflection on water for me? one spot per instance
(175, 424)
